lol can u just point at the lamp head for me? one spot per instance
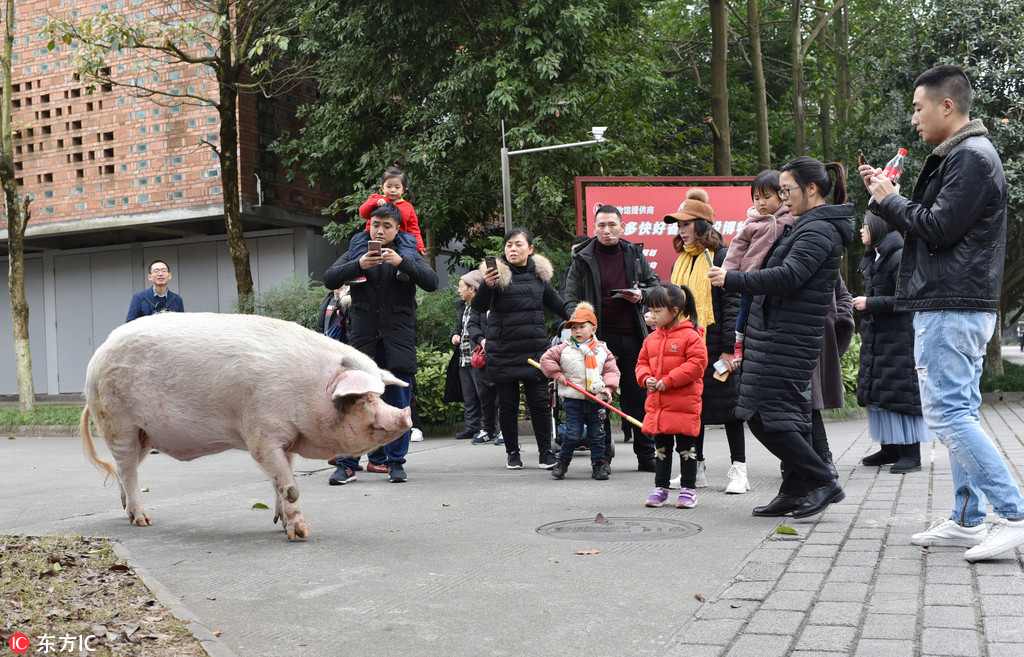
(598, 132)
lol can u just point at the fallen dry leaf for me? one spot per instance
(699, 596)
(217, 633)
(119, 567)
(735, 605)
(587, 551)
(552, 560)
(600, 518)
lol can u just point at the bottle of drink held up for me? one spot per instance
(894, 169)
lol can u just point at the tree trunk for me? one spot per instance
(825, 111)
(227, 107)
(764, 153)
(843, 83)
(720, 87)
(799, 114)
(16, 223)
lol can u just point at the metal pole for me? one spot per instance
(506, 189)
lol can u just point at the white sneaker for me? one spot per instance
(738, 483)
(1003, 537)
(702, 477)
(416, 436)
(947, 533)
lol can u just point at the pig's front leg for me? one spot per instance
(278, 464)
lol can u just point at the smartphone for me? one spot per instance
(861, 159)
(491, 262)
(373, 246)
(707, 254)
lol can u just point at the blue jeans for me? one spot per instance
(948, 350)
(580, 413)
(399, 397)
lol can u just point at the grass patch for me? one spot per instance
(48, 415)
(1012, 379)
(57, 587)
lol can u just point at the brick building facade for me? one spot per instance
(116, 180)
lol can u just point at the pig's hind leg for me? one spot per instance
(278, 465)
(127, 447)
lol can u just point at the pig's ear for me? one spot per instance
(357, 382)
(392, 380)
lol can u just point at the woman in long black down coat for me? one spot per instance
(516, 292)
(887, 380)
(792, 292)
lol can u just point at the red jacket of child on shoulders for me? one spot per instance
(410, 223)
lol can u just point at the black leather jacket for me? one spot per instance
(954, 227)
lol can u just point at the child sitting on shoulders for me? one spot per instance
(395, 184)
(671, 366)
(589, 364)
(766, 221)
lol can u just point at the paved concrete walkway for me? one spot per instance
(451, 563)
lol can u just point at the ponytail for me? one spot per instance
(807, 170)
(839, 191)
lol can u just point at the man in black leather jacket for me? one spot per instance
(951, 277)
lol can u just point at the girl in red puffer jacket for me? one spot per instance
(671, 367)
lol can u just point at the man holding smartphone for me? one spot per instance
(614, 276)
(383, 315)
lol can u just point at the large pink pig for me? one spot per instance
(191, 384)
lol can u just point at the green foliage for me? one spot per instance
(428, 83)
(432, 366)
(850, 364)
(297, 299)
(1011, 381)
(49, 415)
(435, 318)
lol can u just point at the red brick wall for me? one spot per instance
(110, 153)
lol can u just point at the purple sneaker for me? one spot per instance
(687, 499)
(657, 497)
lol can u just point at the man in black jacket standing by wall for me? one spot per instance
(614, 276)
(951, 278)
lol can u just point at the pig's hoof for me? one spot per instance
(142, 520)
(296, 527)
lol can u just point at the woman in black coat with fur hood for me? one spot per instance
(516, 292)
(887, 380)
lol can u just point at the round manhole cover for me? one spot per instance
(614, 530)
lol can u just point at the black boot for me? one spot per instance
(561, 467)
(817, 499)
(782, 505)
(827, 458)
(909, 461)
(599, 471)
(886, 455)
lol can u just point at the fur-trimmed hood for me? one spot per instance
(540, 266)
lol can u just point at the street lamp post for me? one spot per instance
(506, 184)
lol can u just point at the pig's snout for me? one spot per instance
(394, 420)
